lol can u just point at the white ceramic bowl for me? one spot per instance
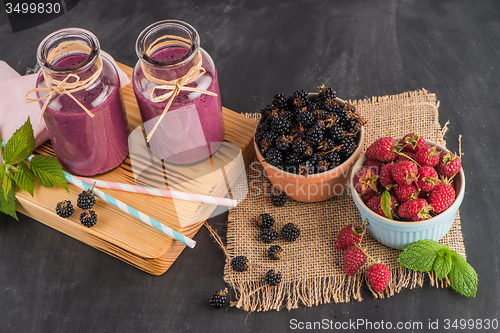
(399, 234)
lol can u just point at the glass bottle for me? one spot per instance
(182, 128)
(87, 124)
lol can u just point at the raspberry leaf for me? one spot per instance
(25, 178)
(48, 171)
(20, 145)
(385, 204)
(463, 278)
(8, 203)
(442, 265)
(421, 255)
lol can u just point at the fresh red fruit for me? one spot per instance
(412, 142)
(374, 205)
(379, 276)
(404, 172)
(427, 155)
(349, 235)
(415, 210)
(406, 156)
(367, 196)
(384, 149)
(365, 180)
(449, 165)
(354, 259)
(441, 196)
(385, 178)
(405, 192)
(374, 166)
(427, 178)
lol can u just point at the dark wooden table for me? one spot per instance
(50, 282)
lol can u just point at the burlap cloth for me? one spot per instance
(312, 269)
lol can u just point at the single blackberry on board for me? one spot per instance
(290, 232)
(278, 198)
(265, 220)
(275, 252)
(239, 263)
(64, 208)
(268, 235)
(273, 277)
(86, 199)
(88, 218)
(218, 299)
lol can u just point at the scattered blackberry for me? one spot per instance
(265, 220)
(283, 142)
(88, 218)
(290, 232)
(299, 146)
(86, 199)
(239, 263)
(275, 252)
(274, 157)
(280, 125)
(218, 299)
(314, 134)
(64, 208)
(279, 101)
(278, 198)
(273, 278)
(300, 98)
(268, 235)
(306, 118)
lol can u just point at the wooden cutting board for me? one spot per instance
(127, 238)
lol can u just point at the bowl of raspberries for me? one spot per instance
(308, 143)
(407, 189)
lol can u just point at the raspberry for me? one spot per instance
(385, 178)
(412, 142)
(379, 276)
(406, 156)
(427, 178)
(239, 263)
(365, 180)
(415, 210)
(354, 259)
(441, 196)
(427, 155)
(449, 165)
(275, 252)
(290, 232)
(349, 235)
(265, 220)
(374, 205)
(367, 196)
(273, 277)
(218, 299)
(86, 199)
(405, 192)
(64, 208)
(88, 218)
(384, 149)
(404, 172)
(374, 166)
(268, 235)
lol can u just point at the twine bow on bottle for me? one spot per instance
(175, 87)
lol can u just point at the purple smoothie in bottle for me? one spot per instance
(193, 127)
(84, 145)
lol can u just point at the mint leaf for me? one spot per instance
(20, 145)
(48, 171)
(25, 178)
(421, 255)
(8, 203)
(385, 204)
(463, 278)
(443, 263)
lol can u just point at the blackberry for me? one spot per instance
(273, 277)
(280, 101)
(268, 235)
(300, 98)
(314, 134)
(275, 252)
(333, 158)
(351, 126)
(88, 218)
(326, 93)
(265, 112)
(321, 114)
(306, 118)
(293, 159)
(267, 141)
(265, 220)
(274, 157)
(341, 115)
(290, 232)
(323, 166)
(299, 146)
(239, 263)
(64, 208)
(86, 199)
(283, 142)
(348, 147)
(218, 299)
(306, 168)
(335, 133)
(280, 125)
(326, 145)
(278, 198)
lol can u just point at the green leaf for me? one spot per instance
(25, 178)
(5, 179)
(20, 145)
(385, 204)
(8, 203)
(48, 171)
(421, 255)
(443, 263)
(463, 278)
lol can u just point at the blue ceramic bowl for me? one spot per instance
(398, 234)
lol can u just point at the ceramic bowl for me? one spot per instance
(315, 187)
(399, 234)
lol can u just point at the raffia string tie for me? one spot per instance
(175, 87)
(63, 87)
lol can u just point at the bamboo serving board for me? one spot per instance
(122, 236)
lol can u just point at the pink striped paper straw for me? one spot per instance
(161, 192)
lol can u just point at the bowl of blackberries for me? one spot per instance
(307, 143)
